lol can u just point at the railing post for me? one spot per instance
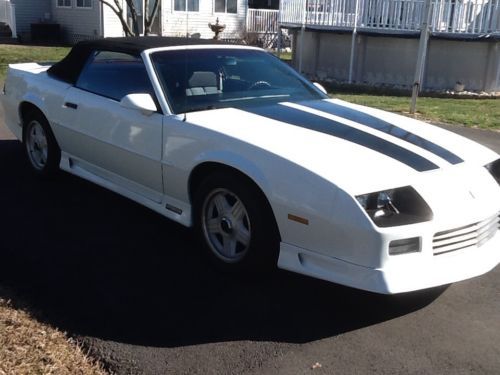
(422, 53)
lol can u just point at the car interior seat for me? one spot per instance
(202, 83)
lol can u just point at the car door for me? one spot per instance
(118, 144)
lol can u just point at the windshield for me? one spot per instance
(200, 79)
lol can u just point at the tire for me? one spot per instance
(40, 145)
(235, 224)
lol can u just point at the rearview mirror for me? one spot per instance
(140, 102)
(320, 87)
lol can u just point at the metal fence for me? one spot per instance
(8, 15)
(448, 16)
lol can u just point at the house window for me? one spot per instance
(84, 3)
(226, 6)
(64, 3)
(191, 5)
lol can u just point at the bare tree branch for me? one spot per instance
(133, 13)
(121, 12)
(118, 10)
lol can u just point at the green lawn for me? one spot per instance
(15, 54)
(483, 113)
(285, 56)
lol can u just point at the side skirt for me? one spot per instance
(169, 207)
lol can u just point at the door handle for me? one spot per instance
(71, 105)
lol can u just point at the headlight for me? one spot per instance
(394, 207)
(494, 169)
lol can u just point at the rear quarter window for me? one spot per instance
(114, 75)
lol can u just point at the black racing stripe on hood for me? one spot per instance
(381, 125)
(320, 124)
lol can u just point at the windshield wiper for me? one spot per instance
(255, 97)
(201, 108)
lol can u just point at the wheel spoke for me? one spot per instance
(243, 236)
(221, 204)
(42, 143)
(229, 244)
(213, 226)
(238, 211)
(43, 156)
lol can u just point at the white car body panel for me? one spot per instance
(301, 171)
(116, 139)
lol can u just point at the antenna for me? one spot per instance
(187, 19)
(185, 84)
(185, 63)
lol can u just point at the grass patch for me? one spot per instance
(482, 113)
(285, 56)
(29, 347)
(10, 54)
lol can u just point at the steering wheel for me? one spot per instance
(256, 84)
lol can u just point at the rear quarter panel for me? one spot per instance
(30, 83)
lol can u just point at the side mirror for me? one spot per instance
(143, 103)
(320, 87)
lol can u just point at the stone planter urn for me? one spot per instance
(216, 28)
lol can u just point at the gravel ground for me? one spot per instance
(130, 286)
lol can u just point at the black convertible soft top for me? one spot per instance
(69, 68)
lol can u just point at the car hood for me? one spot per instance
(357, 148)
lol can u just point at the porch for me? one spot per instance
(264, 25)
(472, 17)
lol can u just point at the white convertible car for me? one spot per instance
(265, 166)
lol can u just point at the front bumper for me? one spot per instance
(415, 272)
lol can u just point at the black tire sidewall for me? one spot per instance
(53, 153)
(264, 243)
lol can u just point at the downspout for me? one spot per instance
(279, 30)
(302, 32)
(143, 11)
(101, 20)
(353, 41)
(422, 53)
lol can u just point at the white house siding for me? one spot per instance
(78, 23)
(28, 12)
(112, 24)
(181, 23)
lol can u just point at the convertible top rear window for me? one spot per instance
(115, 75)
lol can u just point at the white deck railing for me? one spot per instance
(448, 16)
(8, 15)
(262, 21)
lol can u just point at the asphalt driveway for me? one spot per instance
(131, 287)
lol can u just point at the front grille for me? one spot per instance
(472, 235)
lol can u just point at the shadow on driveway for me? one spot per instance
(92, 263)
